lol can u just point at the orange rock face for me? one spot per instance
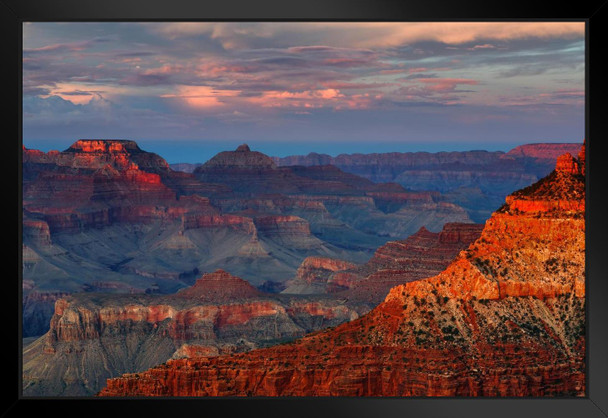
(567, 164)
(505, 318)
(396, 262)
(423, 254)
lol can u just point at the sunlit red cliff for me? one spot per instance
(505, 318)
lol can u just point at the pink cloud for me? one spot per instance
(565, 93)
(443, 85)
(82, 93)
(307, 99)
(417, 70)
(345, 85)
(202, 97)
(71, 46)
(395, 71)
(359, 101)
(370, 34)
(382, 34)
(484, 46)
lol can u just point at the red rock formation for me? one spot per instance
(506, 318)
(420, 255)
(562, 190)
(94, 336)
(582, 158)
(37, 231)
(96, 183)
(566, 163)
(195, 221)
(543, 151)
(37, 307)
(219, 286)
(318, 270)
(310, 264)
(274, 225)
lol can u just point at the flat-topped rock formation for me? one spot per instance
(505, 318)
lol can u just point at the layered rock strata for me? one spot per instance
(506, 318)
(94, 336)
(104, 212)
(476, 180)
(396, 262)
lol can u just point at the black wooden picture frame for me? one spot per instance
(595, 13)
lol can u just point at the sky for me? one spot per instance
(187, 90)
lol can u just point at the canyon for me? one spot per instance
(476, 180)
(105, 215)
(505, 318)
(95, 336)
(219, 314)
(419, 256)
(129, 264)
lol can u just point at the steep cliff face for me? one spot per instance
(505, 318)
(98, 183)
(37, 308)
(419, 256)
(422, 254)
(94, 336)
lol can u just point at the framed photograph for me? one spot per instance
(316, 208)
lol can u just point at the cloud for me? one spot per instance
(82, 93)
(562, 97)
(200, 78)
(201, 97)
(66, 47)
(455, 33)
(367, 34)
(445, 84)
(306, 99)
(484, 46)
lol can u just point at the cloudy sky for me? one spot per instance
(189, 90)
